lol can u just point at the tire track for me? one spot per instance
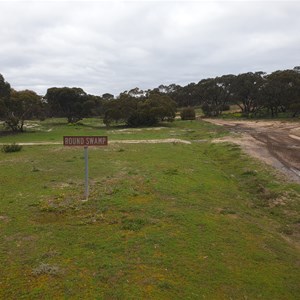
(279, 140)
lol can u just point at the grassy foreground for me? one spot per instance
(163, 221)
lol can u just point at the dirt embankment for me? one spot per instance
(275, 142)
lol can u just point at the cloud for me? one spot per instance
(118, 45)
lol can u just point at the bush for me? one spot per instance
(133, 224)
(144, 111)
(226, 107)
(188, 113)
(142, 118)
(295, 109)
(11, 148)
(211, 109)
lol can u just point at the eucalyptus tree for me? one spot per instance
(215, 94)
(281, 92)
(4, 96)
(245, 91)
(67, 102)
(21, 106)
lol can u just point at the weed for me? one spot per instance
(286, 230)
(172, 171)
(35, 169)
(249, 173)
(60, 204)
(92, 218)
(164, 285)
(11, 148)
(91, 246)
(46, 269)
(132, 172)
(50, 254)
(227, 211)
(133, 224)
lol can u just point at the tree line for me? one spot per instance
(255, 93)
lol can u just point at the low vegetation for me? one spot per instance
(11, 148)
(181, 221)
(188, 113)
(142, 111)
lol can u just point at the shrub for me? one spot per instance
(144, 111)
(226, 107)
(11, 148)
(295, 109)
(188, 113)
(133, 224)
(142, 118)
(211, 109)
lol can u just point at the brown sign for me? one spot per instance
(85, 141)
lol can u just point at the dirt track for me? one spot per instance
(275, 142)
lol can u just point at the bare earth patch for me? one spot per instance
(4, 219)
(277, 143)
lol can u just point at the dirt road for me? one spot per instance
(274, 142)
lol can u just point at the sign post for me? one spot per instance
(85, 141)
(86, 181)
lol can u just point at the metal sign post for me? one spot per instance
(86, 161)
(85, 141)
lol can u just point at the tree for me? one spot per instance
(152, 110)
(290, 81)
(297, 69)
(136, 93)
(188, 95)
(162, 107)
(281, 92)
(120, 109)
(140, 111)
(21, 106)
(68, 102)
(107, 96)
(4, 96)
(93, 106)
(113, 112)
(215, 93)
(245, 89)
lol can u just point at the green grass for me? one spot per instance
(52, 130)
(198, 221)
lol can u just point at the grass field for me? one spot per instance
(52, 130)
(163, 221)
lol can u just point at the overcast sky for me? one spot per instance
(114, 46)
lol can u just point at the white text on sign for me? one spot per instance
(85, 141)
